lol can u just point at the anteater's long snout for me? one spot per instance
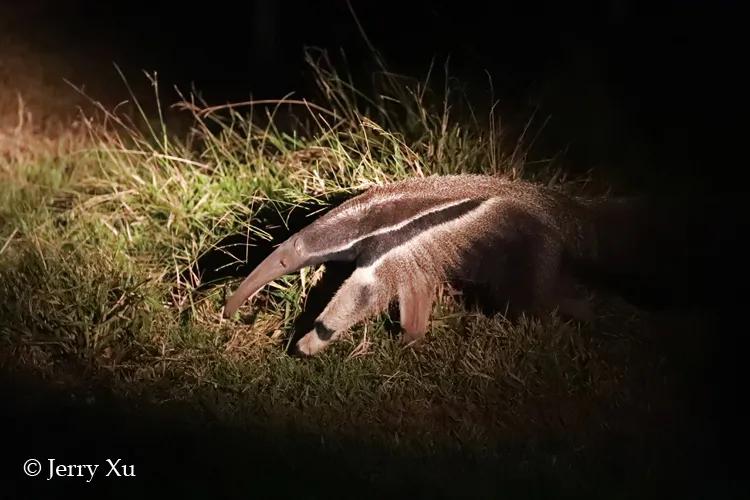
(286, 259)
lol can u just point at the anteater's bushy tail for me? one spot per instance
(671, 251)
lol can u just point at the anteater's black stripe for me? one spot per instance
(372, 248)
(324, 333)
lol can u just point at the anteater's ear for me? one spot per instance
(297, 244)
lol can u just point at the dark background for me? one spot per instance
(648, 92)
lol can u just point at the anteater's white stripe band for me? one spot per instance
(388, 229)
(368, 272)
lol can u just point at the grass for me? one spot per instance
(97, 242)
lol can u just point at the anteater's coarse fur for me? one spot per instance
(526, 246)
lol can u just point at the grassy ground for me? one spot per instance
(100, 237)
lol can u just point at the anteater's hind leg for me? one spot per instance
(570, 303)
(554, 287)
(359, 297)
(415, 306)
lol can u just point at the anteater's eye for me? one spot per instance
(283, 263)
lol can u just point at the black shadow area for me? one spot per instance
(236, 255)
(179, 452)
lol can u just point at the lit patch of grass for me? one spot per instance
(95, 244)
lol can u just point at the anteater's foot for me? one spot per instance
(577, 309)
(410, 339)
(311, 344)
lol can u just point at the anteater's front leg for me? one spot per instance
(359, 297)
(415, 306)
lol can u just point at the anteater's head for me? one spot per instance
(331, 237)
(287, 258)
